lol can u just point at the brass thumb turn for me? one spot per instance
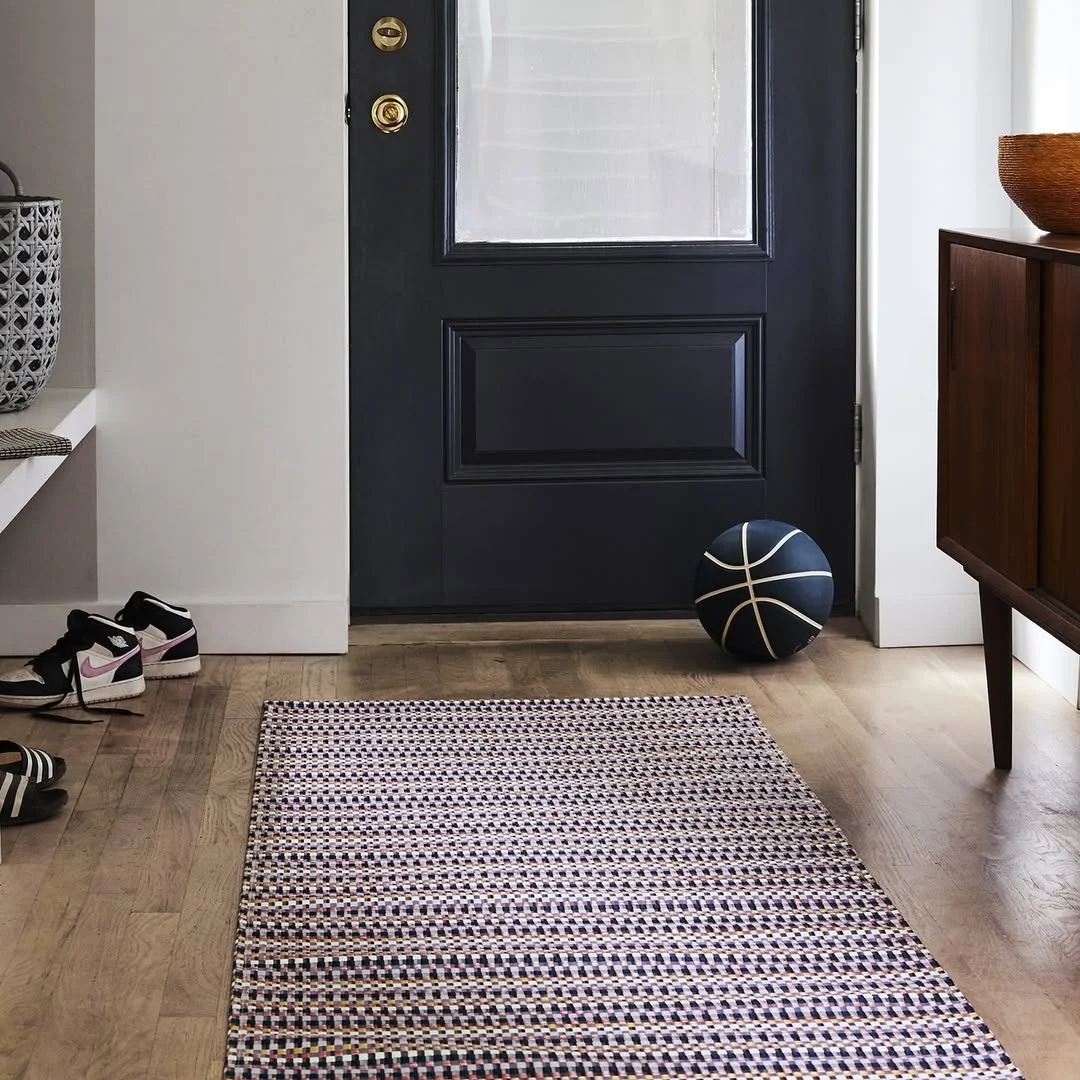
(389, 34)
(390, 113)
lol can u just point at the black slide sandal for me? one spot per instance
(22, 802)
(38, 766)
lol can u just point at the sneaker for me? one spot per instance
(170, 645)
(96, 660)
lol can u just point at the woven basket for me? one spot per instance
(1041, 174)
(29, 294)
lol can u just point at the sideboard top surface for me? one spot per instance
(1027, 243)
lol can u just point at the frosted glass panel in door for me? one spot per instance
(603, 120)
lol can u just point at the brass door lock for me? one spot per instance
(389, 34)
(390, 113)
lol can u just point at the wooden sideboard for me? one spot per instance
(1009, 438)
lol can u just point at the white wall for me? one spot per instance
(938, 94)
(1046, 78)
(222, 317)
(1046, 97)
(200, 152)
(47, 136)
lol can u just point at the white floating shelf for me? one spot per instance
(70, 414)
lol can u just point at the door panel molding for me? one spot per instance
(507, 379)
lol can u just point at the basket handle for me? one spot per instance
(10, 174)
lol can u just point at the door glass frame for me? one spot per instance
(758, 247)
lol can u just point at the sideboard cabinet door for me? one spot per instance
(1059, 480)
(988, 409)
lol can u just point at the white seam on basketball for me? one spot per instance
(747, 565)
(750, 585)
(730, 620)
(763, 581)
(794, 611)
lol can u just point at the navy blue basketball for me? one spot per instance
(763, 590)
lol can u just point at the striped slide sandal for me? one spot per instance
(22, 801)
(36, 765)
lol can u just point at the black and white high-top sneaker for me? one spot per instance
(96, 660)
(170, 645)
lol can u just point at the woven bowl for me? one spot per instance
(1041, 174)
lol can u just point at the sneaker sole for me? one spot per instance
(173, 669)
(117, 691)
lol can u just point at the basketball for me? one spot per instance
(764, 590)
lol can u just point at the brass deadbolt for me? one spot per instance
(390, 113)
(389, 34)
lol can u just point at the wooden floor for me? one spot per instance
(116, 919)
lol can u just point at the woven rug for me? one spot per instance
(631, 887)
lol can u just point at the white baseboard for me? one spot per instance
(1054, 663)
(285, 628)
(913, 621)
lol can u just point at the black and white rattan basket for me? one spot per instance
(29, 293)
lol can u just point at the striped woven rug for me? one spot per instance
(630, 887)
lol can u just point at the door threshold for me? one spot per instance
(395, 618)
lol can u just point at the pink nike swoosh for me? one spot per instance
(88, 671)
(165, 646)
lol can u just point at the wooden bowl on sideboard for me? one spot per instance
(1041, 174)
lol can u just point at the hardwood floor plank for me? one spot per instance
(123, 734)
(104, 787)
(184, 1049)
(163, 880)
(20, 881)
(145, 789)
(600, 671)
(201, 964)
(128, 852)
(640, 667)
(87, 973)
(558, 666)
(354, 673)
(218, 671)
(491, 678)
(285, 678)
(247, 692)
(49, 933)
(523, 668)
(319, 680)
(421, 665)
(25, 866)
(200, 968)
(235, 762)
(164, 724)
(197, 747)
(126, 1028)
(386, 676)
(470, 671)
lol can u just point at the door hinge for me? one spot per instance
(857, 433)
(348, 109)
(860, 24)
